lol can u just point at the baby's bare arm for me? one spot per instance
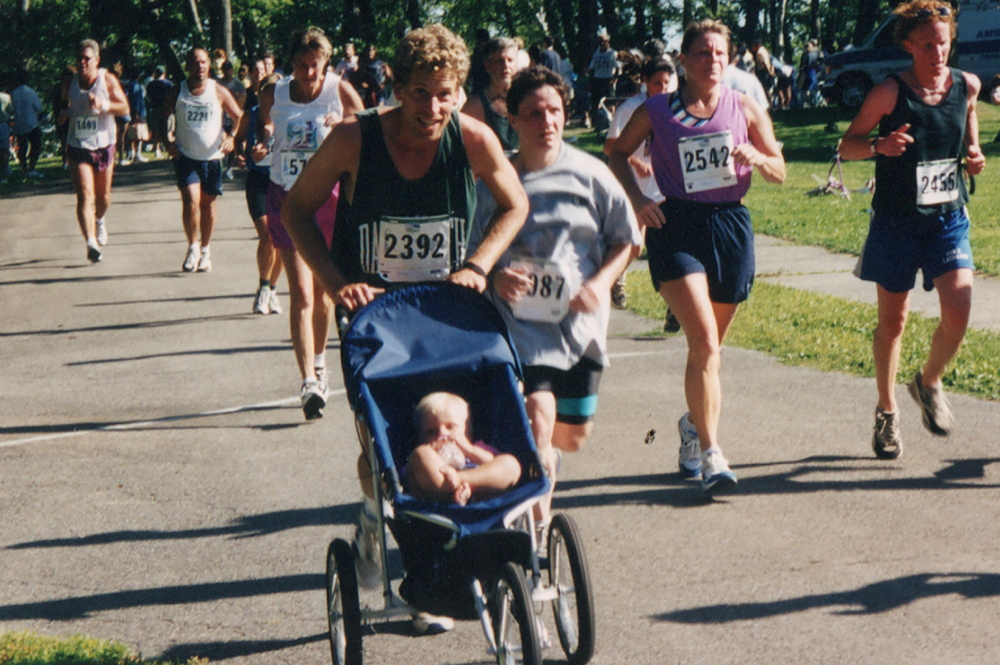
(474, 453)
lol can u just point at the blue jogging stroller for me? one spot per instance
(479, 561)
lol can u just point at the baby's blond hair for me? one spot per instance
(436, 403)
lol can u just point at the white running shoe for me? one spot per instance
(689, 459)
(191, 260)
(432, 624)
(368, 561)
(274, 303)
(716, 475)
(102, 232)
(205, 262)
(261, 304)
(313, 399)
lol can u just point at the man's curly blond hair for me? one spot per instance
(432, 48)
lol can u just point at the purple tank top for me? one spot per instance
(698, 169)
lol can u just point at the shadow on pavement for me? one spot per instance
(139, 325)
(874, 598)
(216, 651)
(184, 354)
(69, 609)
(669, 489)
(248, 526)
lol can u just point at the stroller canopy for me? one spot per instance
(423, 329)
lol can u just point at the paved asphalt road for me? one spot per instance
(159, 486)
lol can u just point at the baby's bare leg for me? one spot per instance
(492, 478)
(460, 490)
(426, 479)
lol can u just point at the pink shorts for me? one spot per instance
(325, 217)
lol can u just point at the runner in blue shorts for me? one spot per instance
(705, 142)
(926, 119)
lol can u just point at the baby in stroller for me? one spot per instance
(445, 465)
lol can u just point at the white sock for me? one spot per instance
(92, 242)
(196, 246)
(370, 506)
(100, 221)
(320, 362)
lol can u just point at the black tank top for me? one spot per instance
(499, 124)
(416, 229)
(927, 178)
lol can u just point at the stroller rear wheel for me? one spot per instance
(342, 604)
(573, 607)
(514, 623)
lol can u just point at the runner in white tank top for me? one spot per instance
(90, 128)
(299, 113)
(299, 128)
(199, 144)
(199, 122)
(92, 99)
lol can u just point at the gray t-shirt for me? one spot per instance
(578, 210)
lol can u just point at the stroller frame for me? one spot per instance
(505, 605)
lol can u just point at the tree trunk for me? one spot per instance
(778, 9)
(687, 13)
(815, 25)
(640, 19)
(752, 26)
(220, 24)
(867, 16)
(413, 14)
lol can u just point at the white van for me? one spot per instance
(851, 74)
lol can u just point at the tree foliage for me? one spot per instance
(42, 34)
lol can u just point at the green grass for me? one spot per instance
(835, 334)
(26, 648)
(839, 225)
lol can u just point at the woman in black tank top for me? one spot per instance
(926, 119)
(489, 104)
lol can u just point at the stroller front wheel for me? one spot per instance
(514, 623)
(573, 605)
(343, 605)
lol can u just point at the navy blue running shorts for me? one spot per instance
(193, 172)
(715, 239)
(896, 249)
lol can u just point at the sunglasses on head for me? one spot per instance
(927, 13)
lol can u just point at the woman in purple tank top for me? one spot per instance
(705, 142)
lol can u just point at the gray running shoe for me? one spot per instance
(886, 441)
(934, 406)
